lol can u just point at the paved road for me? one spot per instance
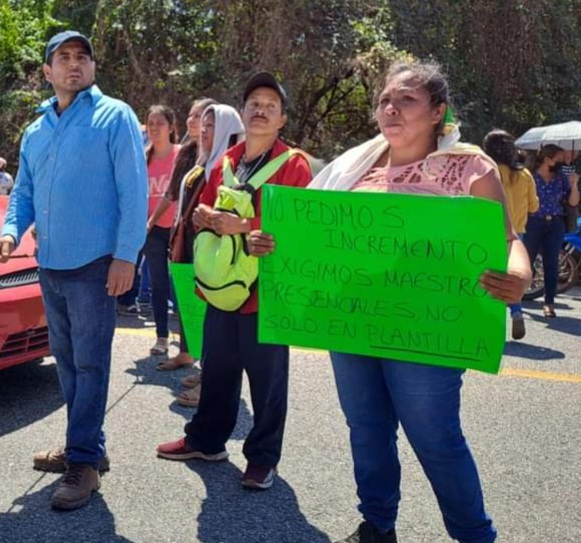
(524, 427)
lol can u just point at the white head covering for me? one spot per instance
(227, 124)
(345, 171)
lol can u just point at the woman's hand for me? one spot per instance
(259, 243)
(508, 287)
(202, 216)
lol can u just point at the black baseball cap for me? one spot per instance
(63, 37)
(265, 79)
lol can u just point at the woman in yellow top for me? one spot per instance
(521, 197)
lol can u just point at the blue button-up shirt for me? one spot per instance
(83, 180)
(551, 194)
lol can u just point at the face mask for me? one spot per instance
(556, 167)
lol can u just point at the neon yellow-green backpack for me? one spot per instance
(224, 271)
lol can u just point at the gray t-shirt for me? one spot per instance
(6, 183)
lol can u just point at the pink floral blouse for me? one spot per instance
(447, 175)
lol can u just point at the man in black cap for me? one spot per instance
(231, 337)
(82, 180)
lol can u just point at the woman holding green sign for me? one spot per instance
(417, 152)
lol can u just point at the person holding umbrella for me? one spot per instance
(545, 228)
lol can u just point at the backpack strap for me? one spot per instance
(262, 176)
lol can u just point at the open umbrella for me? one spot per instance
(565, 135)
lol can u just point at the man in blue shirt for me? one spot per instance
(82, 180)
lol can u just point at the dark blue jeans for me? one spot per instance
(376, 395)
(231, 347)
(156, 255)
(144, 295)
(546, 237)
(81, 323)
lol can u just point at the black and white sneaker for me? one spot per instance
(127, 310)
(367, 533)
(258, 477)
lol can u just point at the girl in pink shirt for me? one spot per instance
(178, 194)
(161, 155)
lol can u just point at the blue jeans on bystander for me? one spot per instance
(376, 395)
(546, 236)
(156, 253)
(81, 323)
(144, 295)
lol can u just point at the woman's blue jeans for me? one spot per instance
(81, 324)
(546, 236)
(376, 395)
(156, 255)
(144, 295)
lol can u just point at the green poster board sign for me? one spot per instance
(387, 275)
(192, 309)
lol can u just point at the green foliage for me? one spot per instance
(511, 64)
(319, 49)
(76, 14)
(18, 107)
(24, 25)
(151, 51)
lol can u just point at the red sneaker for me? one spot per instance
(180, 450)
(258, 477)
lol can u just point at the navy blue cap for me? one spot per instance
(63, 37)
(265, 79)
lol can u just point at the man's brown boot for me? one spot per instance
(54, 461)
(76, 488)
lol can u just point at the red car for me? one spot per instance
(23, 329)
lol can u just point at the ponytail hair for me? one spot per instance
(499, 145)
